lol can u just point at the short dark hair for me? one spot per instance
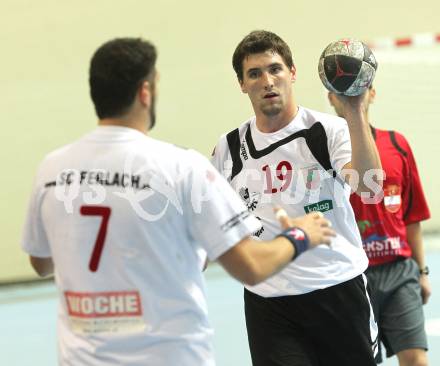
(117, 69)
(260, 41)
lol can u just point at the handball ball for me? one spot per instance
(347, 67)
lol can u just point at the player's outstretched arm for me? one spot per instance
(252, 261)
(43, 266)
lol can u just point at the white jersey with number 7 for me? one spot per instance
(127, 221)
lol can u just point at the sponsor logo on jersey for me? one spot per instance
(103, 304)
(235, 220)
(243, 152)
(105, 312)
(259, 231)
(392, 198)
(364, 225)
(250, 199)
(378, 246)
(312, 177)
(321, 206)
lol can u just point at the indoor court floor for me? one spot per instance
(28, 318)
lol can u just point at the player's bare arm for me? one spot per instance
(350, 98)
(252, 261)
(43, 266)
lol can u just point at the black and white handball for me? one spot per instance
(347, 67)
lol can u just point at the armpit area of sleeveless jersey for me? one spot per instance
(286, 168)
(383, 225)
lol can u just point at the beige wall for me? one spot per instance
(46, 46)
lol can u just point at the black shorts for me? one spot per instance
(330, 327)
(397, 304)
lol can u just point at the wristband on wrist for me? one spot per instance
(424, 270)
(298, 238)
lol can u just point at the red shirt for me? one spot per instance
(383, 225)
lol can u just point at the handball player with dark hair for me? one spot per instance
(316, 311)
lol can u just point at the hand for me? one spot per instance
(352, 105)
(317, 228)
(426, 288)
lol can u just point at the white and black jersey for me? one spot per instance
(297, 168)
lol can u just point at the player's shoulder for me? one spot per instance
(400, 138)
(236, 133)
(240, 129)
(176, 155)
(58, 152)
(57, 155)
(162, 148)
(48, 166)
(395, 137)
(334, 126)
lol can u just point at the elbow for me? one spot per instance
(242, 263)
(254, 281)
(41, 272)
(248, 273)
(252, 276)
(42, 266)
(250, 281)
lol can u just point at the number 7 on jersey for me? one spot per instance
(100, 239)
